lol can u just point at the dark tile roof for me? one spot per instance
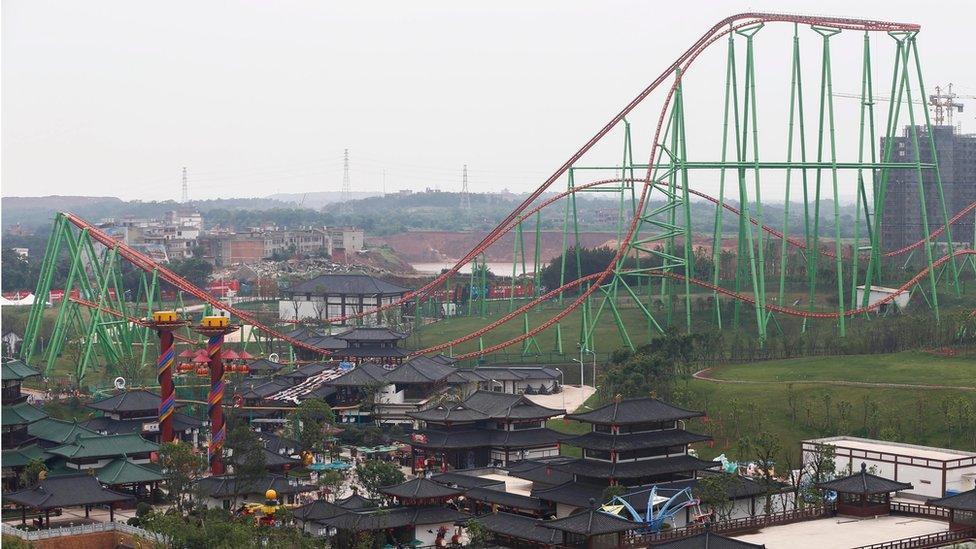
(110, 426)
(571, 493)
(540, 473)
(372, 352)
(520, 527)
(460, 480)
(517, 373)
(392, 518)
(317, 510)
(739, 487)
(122, 471)
(357, 377)
(864, 482)
(100, 446)
(420, 370)
(308, 370)
(263, 366)
(506, 499)
(16, 369)
(377, 333)
(635, 441)
(20, 414)
(482, 405)
(129, 401)
(634, 469)
(460, 375)
(634, 410)
(224, 486)
(277, 443)
(444, 359)
(421, 488)
(528, 438)
(707, 540)
(65, 491)
(965, 501)
(274, 459)
(592, 522)
(356, 502)
(346, 284)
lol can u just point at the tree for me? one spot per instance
(822, 467)
(32, 473)
(182, 467)
(613, 490)
(714, 491)
(332, 482)
(309, 420)
(478, 535)
(764, 447)
(245, 457)
(374, 474)
(196, 271)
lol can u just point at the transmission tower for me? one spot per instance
(346, 184)
(465, 197)
(186, 188)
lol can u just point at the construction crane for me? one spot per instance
(944, 104)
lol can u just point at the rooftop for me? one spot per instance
(17, 370)
(912, 450)
(354, 284)
(421, 488)
(65, 491)
(864, 482)
(634, 410)
(836, 533)
(96, 446)
(129, 401)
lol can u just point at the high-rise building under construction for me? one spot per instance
(902, 222)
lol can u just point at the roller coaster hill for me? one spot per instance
(701, 123)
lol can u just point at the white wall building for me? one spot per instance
(933, 472)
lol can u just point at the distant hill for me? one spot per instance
(320, 198)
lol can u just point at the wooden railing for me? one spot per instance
(937, 539)
(916, 509)
(744, 524)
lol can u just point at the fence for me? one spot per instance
(744, 524)
(938, 539)
(915, 509)
(93, 528)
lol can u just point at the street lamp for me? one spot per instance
(580, 347)
(594, 366)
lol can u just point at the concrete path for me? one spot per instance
(569, 399)
(706, 375)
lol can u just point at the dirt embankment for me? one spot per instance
(433, 246)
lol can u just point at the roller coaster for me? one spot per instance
(653, 266)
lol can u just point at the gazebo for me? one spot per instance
(962, 509)
(592, 528)
(863, 494)
(80, 490)
(421, 491)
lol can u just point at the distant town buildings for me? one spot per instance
(956, 152)
(180, 233)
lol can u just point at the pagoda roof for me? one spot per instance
(541, 472)
(356, 502)
(20, 414)
(263, 366)
(349, 284)
(112, 426)
(864, 482)
(419, 370)
(372, 352)
(635, 441)
(276, 442)
(318, 510)
(506, 499)
(635, 469)
(66, 491)
(136, 400)
(376, 333)
(96, 446)
(357, 377)
(707, 540)
(396, 517)
(16, 369)
(965, 501)
(460, 480)
(19, 457)
(421, 488)
(528, 438)
(223, 486)
(571, 493)
(520, 527)
(122, 471)
(57, 431)
(634, 410)
(592, 522)
(482, 405)
(275, 459)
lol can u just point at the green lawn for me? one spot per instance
(910, 367)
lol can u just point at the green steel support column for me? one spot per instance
(784, 251)
(682, 153)
(749, 103)
(827, 90)
(75, 272)
(918, 172)
(861, 201)
(720, 208)
(515, 253)
(95, 320)
(537, 257)
(913, 46)
(43, 289)
(150, 294)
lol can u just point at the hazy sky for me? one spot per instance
(258, 97)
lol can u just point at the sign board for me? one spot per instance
(151, 427)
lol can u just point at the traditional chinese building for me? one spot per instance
(485, 428)
(137, 411)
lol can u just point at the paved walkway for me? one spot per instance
(706, 375)
(843, 532)
(569, 399)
